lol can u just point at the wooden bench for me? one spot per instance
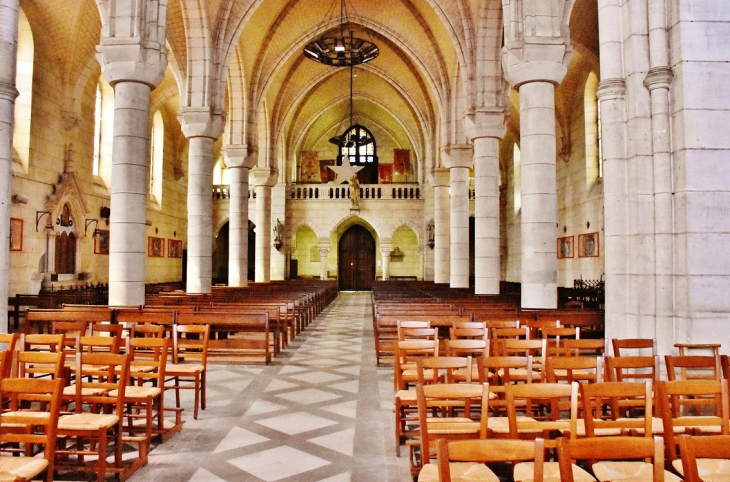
(234, 332)
(43, 319)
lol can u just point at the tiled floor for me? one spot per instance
(322, 412)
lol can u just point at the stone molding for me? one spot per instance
(8, 91)
(127, 60)
(611, 89)
(659, 78)
(240, 156)
(439, 177)
(458, 156)
(486, 123)
(201, 122)
(264, 176)
(536, 60)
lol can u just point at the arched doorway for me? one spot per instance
(356, 255)
(220, 254)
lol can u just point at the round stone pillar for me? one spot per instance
(8, 94)
(324, 250)
(539, 200)
(440, 180)
(129, 189)
(133, 61)
(202, 128)
(385, 250)
(458, 159)
(239, 161)
(486, 134)
(264, 180)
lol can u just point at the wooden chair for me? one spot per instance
(636, 368)
(606, 408)
(620, 345)
(692, 406)
(543, 418)
(429, 370)
(537, 349)
(612, 448)
(584, 347)
(441, 401)
(189, 364)
(407, 353)
(38, 364)
(693, 367)
(43, 342)
(144, 397)
(500, 371)
(90, 433)
(574, 368)
(10, 340)
(467, 348)
(466, 459)
(704, 458)
(146, 330)
(40, 426)
(555, 337)
(6, 363)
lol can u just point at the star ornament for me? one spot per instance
(345, 171)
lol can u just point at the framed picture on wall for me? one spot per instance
(565, 247)
(155, 247)
(16, 234)
(101, 241)
(174, 248)
(588, 245)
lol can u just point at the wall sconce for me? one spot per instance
(88, 223)
(430, 228)
(38, 216)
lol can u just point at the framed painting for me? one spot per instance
(565, 247)
(101, 241)
(155, 247)
(16, 234)
(174, 248)
(588, 245)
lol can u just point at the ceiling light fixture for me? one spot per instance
(341, 50)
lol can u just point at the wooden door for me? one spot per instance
(356, 259)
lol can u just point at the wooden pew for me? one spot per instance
(238, 332)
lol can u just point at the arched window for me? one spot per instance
(221, 175)
(103, 132)
(517, 177)
(592, 114)
(359, 149)
(24, 84)
(97, 131)
(157, 138)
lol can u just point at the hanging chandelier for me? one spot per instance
(342, 50)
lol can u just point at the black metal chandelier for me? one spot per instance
(342, 50)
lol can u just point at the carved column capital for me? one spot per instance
(240, 155)
(201, 122)
(264, 176)
(457, 156)
(611, 89)
(485, 123)
(659, 78)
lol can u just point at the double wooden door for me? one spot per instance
(356, 255)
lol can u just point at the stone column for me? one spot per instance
(658, 82)
(458, 159)
(202, 127)
(264, 180)
(133, 61)
(440, 181)
(323, 246)
(239, 161)
(536, 81)
(8, 94)
(485, 131)
(385, 250)
(611, 94)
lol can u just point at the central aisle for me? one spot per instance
(321, 412)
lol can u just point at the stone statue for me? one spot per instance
(278, 230)
(355, 191)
